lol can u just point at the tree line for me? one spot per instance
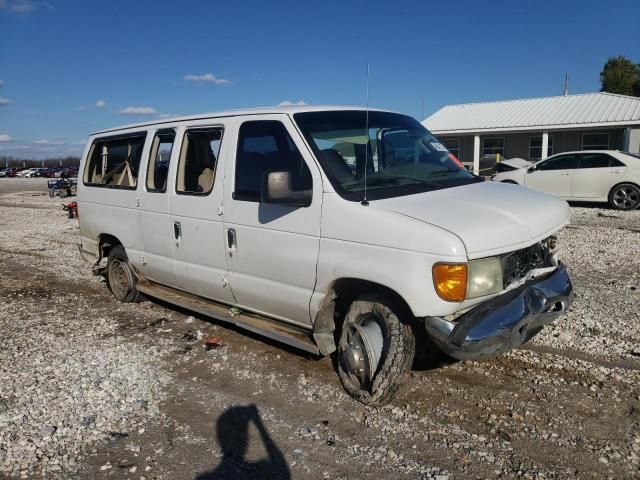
(620, 75)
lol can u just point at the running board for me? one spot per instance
(273, 329)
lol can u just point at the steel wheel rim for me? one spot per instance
(119, 278)
(362, 350)
(626, 197)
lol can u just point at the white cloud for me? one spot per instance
(167, 115)
(24, 7)
(82, 108)
(207, 78)
(101, 104)
(137, 111)
(5, 138)
(55, 141)
(4, 101)
(287, 103)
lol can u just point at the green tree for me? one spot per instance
(620, 75)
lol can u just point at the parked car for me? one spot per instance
(11, 172)
(584, 176)
(3, 172)
(258, 220)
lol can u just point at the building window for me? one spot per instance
(453, 145)
(535, 147)
(493, 145)
(595, 141)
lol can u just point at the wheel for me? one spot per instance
(120, 277)
(625, 196)
(375, 350)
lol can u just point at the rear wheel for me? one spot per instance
(625, 196)
(120, 276)
(375, 351)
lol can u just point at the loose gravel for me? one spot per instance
(91, 388)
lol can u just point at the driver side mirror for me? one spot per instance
(276, 188)
(531, 169)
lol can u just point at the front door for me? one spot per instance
(553, 175)
(195, 212)
(272, 249)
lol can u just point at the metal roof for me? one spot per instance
(572, 111)
(286, 109)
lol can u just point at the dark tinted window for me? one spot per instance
(562, 162)
(198, 161)
(266, 147)
(595, 160)
(114, 162)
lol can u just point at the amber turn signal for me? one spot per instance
(450, 280)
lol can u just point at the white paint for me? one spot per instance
(286, 259)
(476, 154)
(545, 145)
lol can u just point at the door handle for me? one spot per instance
(614, 171)
(565, 173)
(177, 230)
(231, 238)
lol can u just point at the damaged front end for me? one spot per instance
(537, 290)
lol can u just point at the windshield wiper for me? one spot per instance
(445, 170)
(391, 179)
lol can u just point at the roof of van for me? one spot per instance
(286, 109)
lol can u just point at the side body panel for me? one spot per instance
(273, 261)
(198, 250)
(112, 211)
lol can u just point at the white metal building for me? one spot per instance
(535, 128)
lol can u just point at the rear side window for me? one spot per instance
(266, 146)
(563, 162)
(114, 162)
(198, 161)
(159, 158)
(596, 160)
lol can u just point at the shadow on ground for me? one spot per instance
(234, 440)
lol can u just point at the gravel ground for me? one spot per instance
(91, 388)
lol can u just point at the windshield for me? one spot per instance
(396, 154)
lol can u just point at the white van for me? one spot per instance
(332, 229)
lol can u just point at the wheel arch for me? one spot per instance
(340, 294)
(106, 242)
(627, 182)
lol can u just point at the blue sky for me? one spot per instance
(71, 67)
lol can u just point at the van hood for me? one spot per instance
(490, 218)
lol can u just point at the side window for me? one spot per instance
(265, 146)
(114, 162)
(563, 162)
(198, 161)
(159, 160)
(595, 160)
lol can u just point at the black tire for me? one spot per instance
(625, 196)
(398, 350)
(121, 279)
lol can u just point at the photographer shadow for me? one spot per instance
(233, 437)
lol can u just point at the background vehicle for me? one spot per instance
(584, 176)
(510, 164)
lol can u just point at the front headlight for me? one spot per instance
(485, 277)
(455, 282)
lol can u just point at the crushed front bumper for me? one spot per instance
(506, 321)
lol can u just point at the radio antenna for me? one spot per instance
(364, 201)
